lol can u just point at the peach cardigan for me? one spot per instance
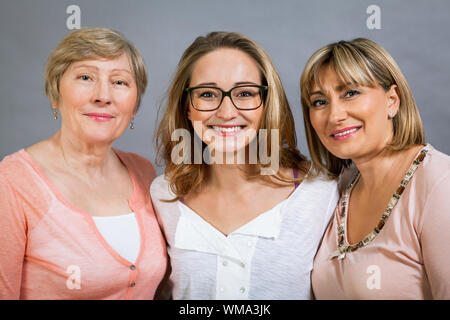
(49, 249)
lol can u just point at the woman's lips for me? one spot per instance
(227, 130)
(345, 133)
(101, 117)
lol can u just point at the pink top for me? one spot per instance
(50, 249)
(409, 258)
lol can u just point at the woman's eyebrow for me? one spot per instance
(206, 84)
(84, 66)
(317, 92)
(122, 70)
(342, 86)
(96, 68)
(337, 88)
(215, 84)
(244, 82)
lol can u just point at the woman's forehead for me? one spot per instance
(338, 78)
(225, 65)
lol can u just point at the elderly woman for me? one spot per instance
(244, 229)
(389, 238)
(76, 217)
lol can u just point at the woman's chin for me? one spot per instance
(344, 153)
(227, 147)
(93, 134)
(99, 138)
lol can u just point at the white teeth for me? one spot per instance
(345, 132)
(228, 129)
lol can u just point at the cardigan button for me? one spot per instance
(132, 284)
(133, 267)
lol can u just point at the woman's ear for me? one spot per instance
(54, 104)
(393, 99)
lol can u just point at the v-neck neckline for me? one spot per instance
(342, 241)
(278, 206)
(131, 203)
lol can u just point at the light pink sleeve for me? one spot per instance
(12, 241)
(435, 238)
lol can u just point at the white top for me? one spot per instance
(121, 233)
(270, 257)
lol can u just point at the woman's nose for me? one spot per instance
(338, 112)
(226, 109)
(102, 93)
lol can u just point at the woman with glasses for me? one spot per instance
(242, 211)
(389, 237)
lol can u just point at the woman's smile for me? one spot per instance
(228, 130)
(100, 117)
(345, 133)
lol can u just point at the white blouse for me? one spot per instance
(270, 257)
(121, 233)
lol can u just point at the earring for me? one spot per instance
(391, 114)
(132, 124)
(55, 114)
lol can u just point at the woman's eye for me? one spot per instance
(207, 95)
(351, 93)
(120, 83)
(245, 94)
(318, 103)
(84, 77)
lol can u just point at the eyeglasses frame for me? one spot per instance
(262, 88)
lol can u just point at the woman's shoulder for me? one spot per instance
(160, 188)
(138, 164)
(132, 157)
(434, 172)
(320, 180)
(318, 188)
(19, 174)
(430, 186)
(167, 211)
(437, 160)
(13, 164)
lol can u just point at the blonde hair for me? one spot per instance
(92, 43)
(362, 62)
(276, 114)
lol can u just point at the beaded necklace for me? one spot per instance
(342, 220)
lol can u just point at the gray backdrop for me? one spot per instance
(416, 33)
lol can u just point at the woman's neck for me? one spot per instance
(231, 178)
(84, 158)
(383, 168)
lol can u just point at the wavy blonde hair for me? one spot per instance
(361, 62)
(184, 178)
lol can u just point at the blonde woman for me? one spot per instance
(389, 235)
(236, 230)
(76, 218)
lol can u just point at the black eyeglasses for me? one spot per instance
(245, 97)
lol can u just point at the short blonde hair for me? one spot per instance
(276, 115)
(92, 43)
(362, 62)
